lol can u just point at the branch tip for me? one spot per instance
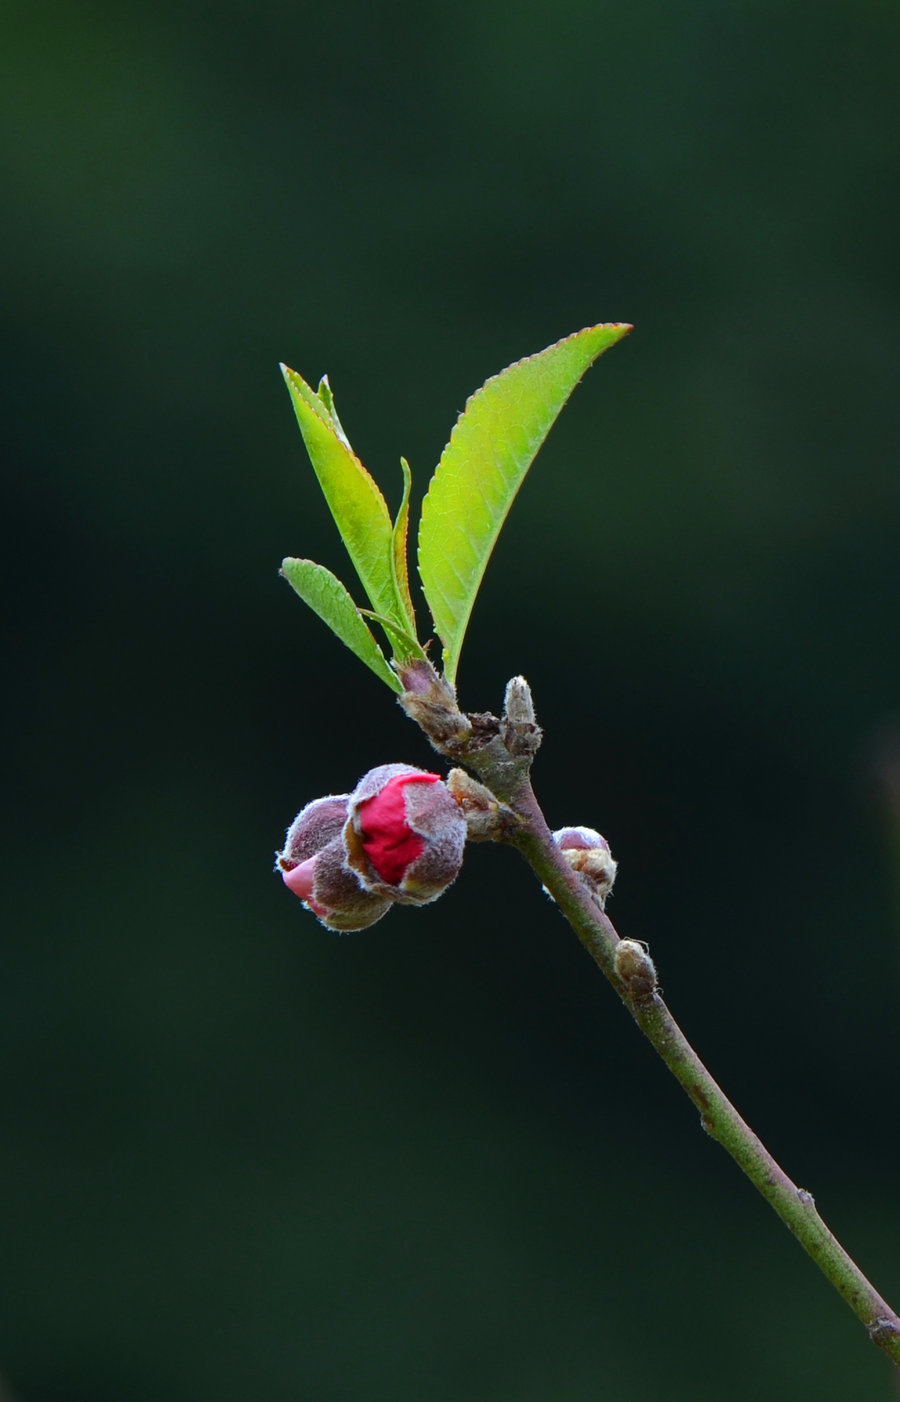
(518, 727)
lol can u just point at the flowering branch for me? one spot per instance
(398, 838)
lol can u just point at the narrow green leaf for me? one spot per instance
(324, 394)
(492, 446)
(399, 559)
(327, 597)
(356, 504)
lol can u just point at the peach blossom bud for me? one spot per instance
(405, 834)
(587, 852)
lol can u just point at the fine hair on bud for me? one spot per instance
(635, 968)
(312, 829)
(518, 706)
(587, 852)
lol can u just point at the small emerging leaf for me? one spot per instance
(492, 446)
(356, 504)
(327, 597)
(399, 561)
(327, 398)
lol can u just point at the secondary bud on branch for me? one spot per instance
(486, 818)
(635, 968)
(313, 866)
(405, 834)
(587, 852)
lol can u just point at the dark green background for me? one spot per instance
(241, 1158)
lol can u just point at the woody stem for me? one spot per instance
(795, 1206)
(501, 752)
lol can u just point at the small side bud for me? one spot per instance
(481, 810)
(587, 852)
(405, 834)
(312, 866)
(635, 968)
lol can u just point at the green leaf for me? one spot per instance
(356, 504)
(399, 559)
(492, 446)
(324, 394)
(327, 597)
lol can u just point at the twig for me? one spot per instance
(795, 1206)
(500, 752)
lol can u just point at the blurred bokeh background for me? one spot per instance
(241, 1157)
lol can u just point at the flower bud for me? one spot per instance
(405, 834)
(481, 810)
(313, 828)
(313, 866)
(588, 853)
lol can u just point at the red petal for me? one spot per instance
(388, 841)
